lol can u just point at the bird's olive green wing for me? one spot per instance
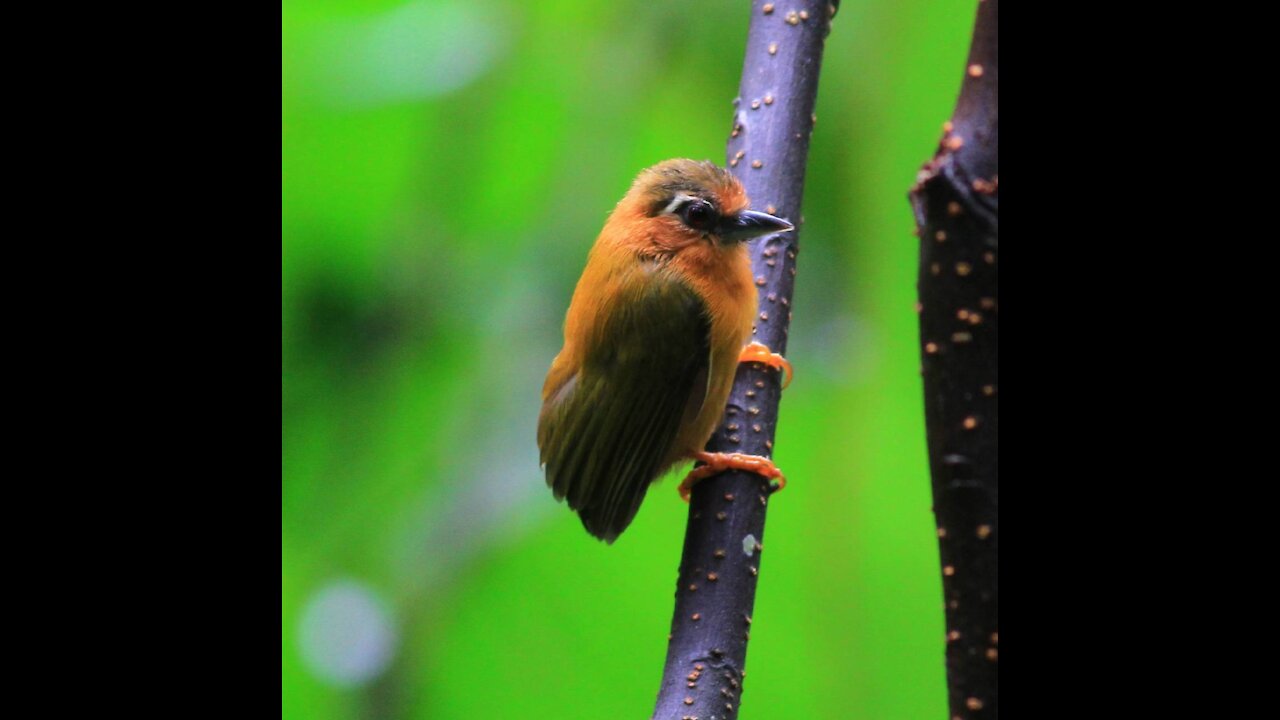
(605, 434)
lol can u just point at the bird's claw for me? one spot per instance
(715, 463)
(759, 352)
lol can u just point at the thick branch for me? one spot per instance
(957, 209)
(716, 588)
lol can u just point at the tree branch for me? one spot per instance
(767, 150)
(956, 202)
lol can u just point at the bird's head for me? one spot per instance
(680, 203)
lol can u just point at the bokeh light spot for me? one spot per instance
(346, 634)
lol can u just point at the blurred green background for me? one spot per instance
(445, 166)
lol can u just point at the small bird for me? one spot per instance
(652, 340)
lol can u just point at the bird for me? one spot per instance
(657, 325)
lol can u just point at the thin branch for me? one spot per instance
(956, 203)
(716, 588)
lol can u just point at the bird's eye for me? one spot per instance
(699, 215)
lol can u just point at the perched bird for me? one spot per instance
(652, 340)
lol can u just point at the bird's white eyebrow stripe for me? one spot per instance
(676, 202)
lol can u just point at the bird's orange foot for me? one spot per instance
(715, 463)
(759, 352)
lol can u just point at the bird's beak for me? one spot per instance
(750, 224)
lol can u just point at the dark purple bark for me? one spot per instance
(956, 203)
(768, 148)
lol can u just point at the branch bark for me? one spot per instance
(956, 202)
(767, 150)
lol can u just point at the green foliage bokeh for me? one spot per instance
(444, 168)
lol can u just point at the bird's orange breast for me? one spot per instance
(722, 278)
